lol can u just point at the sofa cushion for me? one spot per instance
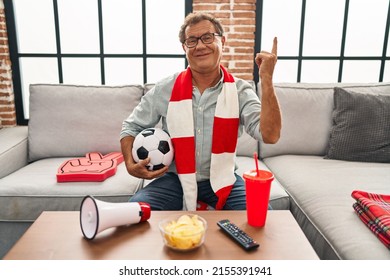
(307, 116)
(13, 149)
(70, 120)
(320, 194)
(34, 188)
(306, 119)
(361, 127)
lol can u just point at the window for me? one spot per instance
(326, 40)
(95, 42)
(131, 42)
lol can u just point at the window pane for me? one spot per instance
(282, 19)
(388, 47)
(386, 75)
(366, 28)
(120, 71)
(320, 71)
(122, 26)
(361, 71)
(162, 28)
(79, 26)
(48, 73)
(286, 71)
(323, 33)
(30, 27)
(159, 68)
(85, 71)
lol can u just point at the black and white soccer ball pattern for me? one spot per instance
(156, 144)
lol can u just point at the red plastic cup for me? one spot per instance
(258, 187)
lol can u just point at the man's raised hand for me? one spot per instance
(266, 60)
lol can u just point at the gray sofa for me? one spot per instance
(68, 121)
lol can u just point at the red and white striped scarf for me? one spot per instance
(225, 131)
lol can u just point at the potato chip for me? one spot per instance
(184, 233)
(184, 220)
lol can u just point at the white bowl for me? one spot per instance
(183, 233)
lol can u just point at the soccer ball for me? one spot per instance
(156, 144)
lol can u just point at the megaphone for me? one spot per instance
(96, 215)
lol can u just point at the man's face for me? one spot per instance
(204, 58)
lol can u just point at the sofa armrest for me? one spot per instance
(13, 149)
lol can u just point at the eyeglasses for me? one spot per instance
(207, 38)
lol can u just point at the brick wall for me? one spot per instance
(7, 105)
(238, 19)
(237, 16)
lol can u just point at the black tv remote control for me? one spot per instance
(238, 235)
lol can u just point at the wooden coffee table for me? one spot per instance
(57, 235)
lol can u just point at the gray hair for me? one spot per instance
(194, 18)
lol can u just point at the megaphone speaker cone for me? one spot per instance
(96, 215)
(89, 217)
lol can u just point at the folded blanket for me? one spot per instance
(371, 225)
(374, 210)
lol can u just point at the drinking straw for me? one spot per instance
(257, 164)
